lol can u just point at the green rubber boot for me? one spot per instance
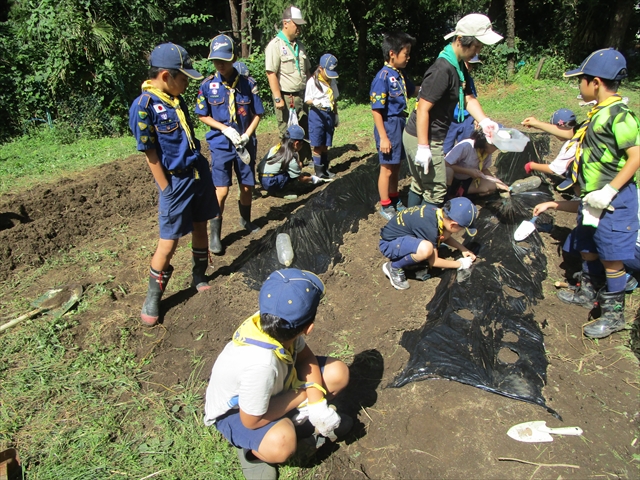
(612, 316)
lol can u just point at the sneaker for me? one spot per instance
(388, 213)
(396, 276)
(253, 468)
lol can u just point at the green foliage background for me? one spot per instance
(75, 65)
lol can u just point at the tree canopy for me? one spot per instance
(92, 54)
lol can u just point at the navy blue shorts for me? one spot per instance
(394, 126)
(457, 132)
(223, 161)
(274, 183)
(400, 247)
(615, 237)
(232, 428)
(321, 127)
(187, 200)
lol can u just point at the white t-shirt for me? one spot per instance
(564, 158)
(247, 377)
(312, 94)
(464, 155)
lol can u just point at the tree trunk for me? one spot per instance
(511, 36)
(235, 23)
(619, 23)
(245, 30)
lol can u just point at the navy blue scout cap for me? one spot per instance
(295, 132)
(170, 55)
(607, 63)
(241, 68)
(563, 118)
(221, 48)
(291, 294)
(329, 63)
(462, 211)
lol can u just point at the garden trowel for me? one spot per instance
(525, 229)
(539, 432)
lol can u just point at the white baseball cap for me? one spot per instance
(478, 26)
(294, 14)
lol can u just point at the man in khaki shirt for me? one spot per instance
(288, 69)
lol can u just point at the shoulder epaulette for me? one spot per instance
(144, 100)
(384, 73)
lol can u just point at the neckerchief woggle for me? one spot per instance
(582, 131)
(449, 55)
(250, 333)
(173, 102)
(295, 49)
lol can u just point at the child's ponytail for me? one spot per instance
(285, 154)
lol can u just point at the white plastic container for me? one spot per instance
(284, 249)
(510, 140)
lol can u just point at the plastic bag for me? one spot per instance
(293, 117)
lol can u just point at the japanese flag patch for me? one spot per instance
(159, 108)
(213, 85)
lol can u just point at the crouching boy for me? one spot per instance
(267, 378)
(415, 234)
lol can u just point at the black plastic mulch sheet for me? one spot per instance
(317, 229)
(480, 328)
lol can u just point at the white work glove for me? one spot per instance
(233, 135)
(244, 139)
(325, 419)
(465, 263)
(336, 121)
(315, 179)
(489, 128)
(600, 198)
(423, 157)
(591, 216)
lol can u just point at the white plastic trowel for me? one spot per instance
(538, 431)
(525, 229)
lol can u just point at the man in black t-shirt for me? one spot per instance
(445, 84)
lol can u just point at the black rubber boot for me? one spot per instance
(215, 228)
(157, 284)
(245, 218)
(612, 316)
(319, 170)
(200, 262)
(325, 167)
(584, 295)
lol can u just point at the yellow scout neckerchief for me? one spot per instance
(404, 84)
(232, 98)
(329, 90)
(173, 102)
(440, 217)
(582, 131)
(250, 333)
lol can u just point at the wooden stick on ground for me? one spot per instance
(565, 465)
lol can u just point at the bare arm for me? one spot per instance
(385, 144)
(563, 206)
(274, 85)
(156, 169)
(279, 406)
(533, 122)
(629, 169)
(452, 242)
(253, 125)
(207, 120)
(422, 121)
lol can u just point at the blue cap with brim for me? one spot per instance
(241, 68)
(295, 132)
(221, 48)
(607, 63)
(462, 211)
(174, 57)
(329, 63)
(291, 294)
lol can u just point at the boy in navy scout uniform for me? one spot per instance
(415, 234)
(229, 103)
(389, 92)
(607, 158)
(159, 120)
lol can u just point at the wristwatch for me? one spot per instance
(276, 99)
